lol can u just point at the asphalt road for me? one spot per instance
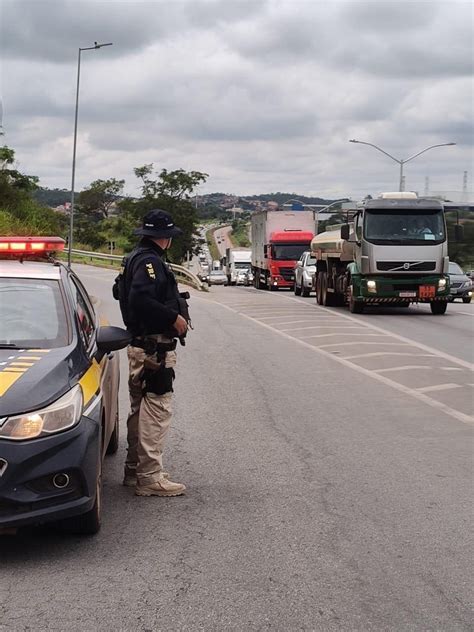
(329, 483)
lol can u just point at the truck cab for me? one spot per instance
(394, 252)
(282, 253)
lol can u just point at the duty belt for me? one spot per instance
(150, 345)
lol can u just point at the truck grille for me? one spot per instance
(287, 273)
(406, 266)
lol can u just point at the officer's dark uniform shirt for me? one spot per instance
(151, 284)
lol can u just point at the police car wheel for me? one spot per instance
(114, 437)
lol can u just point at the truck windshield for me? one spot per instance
(407, 226)
(288, 252)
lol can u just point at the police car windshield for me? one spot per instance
(32, 314)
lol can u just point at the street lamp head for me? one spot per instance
(353, 140)
(96, 45)
(450, 143)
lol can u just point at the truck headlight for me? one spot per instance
(442, 284)
(63, 414)
(372, 286)
(467, 284)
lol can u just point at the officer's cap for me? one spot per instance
(158, 224)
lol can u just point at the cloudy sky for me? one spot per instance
(263, 95)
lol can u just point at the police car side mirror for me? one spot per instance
(112, 338)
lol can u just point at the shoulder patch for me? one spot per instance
(150, 270)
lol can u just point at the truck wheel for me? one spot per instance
(296, 289)
(438, 307)
(304, 290)
(466, 299)
(355, 307)
(318, 289)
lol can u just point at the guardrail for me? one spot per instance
(180, 271)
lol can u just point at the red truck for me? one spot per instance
(279, 237)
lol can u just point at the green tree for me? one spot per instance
(19, 213)
(170, 191)
(100, 195)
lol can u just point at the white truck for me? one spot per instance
(279, 238)
(237, 265)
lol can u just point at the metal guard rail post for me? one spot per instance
(179, 270)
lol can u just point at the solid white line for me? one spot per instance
(465, 313)
(455, 414)
(438, 387)
(387, 353)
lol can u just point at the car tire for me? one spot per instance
(304, 290)
(466, 299)
(114, 437)
(297, 289)
(438, 307)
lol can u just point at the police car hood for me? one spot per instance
(31, 379)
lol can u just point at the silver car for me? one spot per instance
(217, 277)
(304, 272)
(460, 285)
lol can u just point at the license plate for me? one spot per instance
(427, 291)
(407, 294)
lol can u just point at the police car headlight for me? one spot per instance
(63, 414)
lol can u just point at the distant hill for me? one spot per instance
(52, 197)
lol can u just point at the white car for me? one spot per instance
(304, 273)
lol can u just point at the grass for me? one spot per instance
(215, 256)
(240, 237)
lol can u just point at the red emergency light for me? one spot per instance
(30, 245)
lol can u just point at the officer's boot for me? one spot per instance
(162, 487)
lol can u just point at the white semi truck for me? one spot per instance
(394, 251)
(235, 262)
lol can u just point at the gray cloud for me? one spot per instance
(261, 95)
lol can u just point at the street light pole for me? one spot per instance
(73, 177)
(399, 161)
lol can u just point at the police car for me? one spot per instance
(59, 384)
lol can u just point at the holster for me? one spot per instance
(157, 378)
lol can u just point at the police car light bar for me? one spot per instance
(30, 245)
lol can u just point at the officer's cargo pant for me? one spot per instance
(148, 422)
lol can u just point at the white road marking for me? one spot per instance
(438, 387)
(407, 367)
(387, 353)
(433, 403)
(298, 322)
(414, 343)
(336, 333)
(465, 313)
(450, 368)
(332, 326)
(366, 342)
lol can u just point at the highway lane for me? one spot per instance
(318, 498)
(452, 333)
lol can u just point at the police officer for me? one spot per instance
(154, 319)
